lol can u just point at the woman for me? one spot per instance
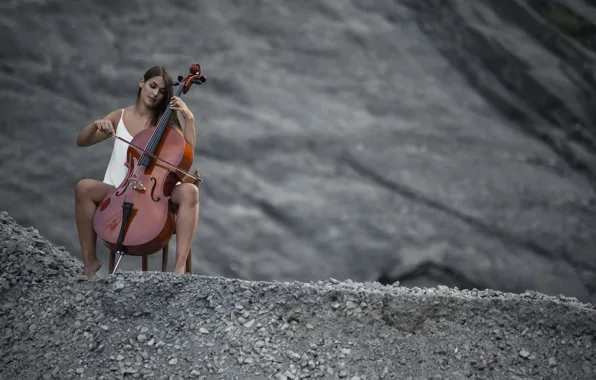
(153, 97)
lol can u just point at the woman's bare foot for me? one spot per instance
(92, 268)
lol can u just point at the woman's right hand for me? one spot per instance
(105, 126)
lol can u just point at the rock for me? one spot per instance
(165, 326)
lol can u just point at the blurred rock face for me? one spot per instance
(423, 142)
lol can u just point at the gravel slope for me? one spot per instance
(56, 325)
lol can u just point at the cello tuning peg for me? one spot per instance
(199, 80)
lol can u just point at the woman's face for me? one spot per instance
(153, 91)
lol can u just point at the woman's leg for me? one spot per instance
(186, 197)
(88, 194)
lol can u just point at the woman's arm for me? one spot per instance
(98, 130)
(189, 132)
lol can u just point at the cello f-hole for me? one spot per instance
(120, 192)
(153, 190)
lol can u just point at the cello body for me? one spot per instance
(136, 218)
(151, 222)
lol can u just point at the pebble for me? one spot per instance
(524, 353)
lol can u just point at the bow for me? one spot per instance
(198, 178)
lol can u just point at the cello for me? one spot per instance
(136, 218)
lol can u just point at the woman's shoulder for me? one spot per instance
(118, 113)
(114, 116)
(130, 108)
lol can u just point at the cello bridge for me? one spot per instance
(136, 184)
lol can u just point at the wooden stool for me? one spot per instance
(145, 260)
(164, 251)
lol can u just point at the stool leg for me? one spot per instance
(164, 258)
(189, 261)
(145, 263)
(111, 260)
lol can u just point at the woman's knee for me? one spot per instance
(84, 188)
(188, 193)
(91, 189)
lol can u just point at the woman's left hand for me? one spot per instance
(178, 104)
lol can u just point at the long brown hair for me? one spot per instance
(163, 105)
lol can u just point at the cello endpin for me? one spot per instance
(118, 262)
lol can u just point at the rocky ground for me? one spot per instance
(56, 325)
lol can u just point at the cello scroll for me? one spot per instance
(194, 77)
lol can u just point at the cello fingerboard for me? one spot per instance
(145, 159)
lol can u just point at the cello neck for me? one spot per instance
(145, 159)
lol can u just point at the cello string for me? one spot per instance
(153, 140)
(157, 158)
(136, 169)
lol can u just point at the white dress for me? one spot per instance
(116, 170)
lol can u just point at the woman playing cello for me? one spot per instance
(153, 97)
